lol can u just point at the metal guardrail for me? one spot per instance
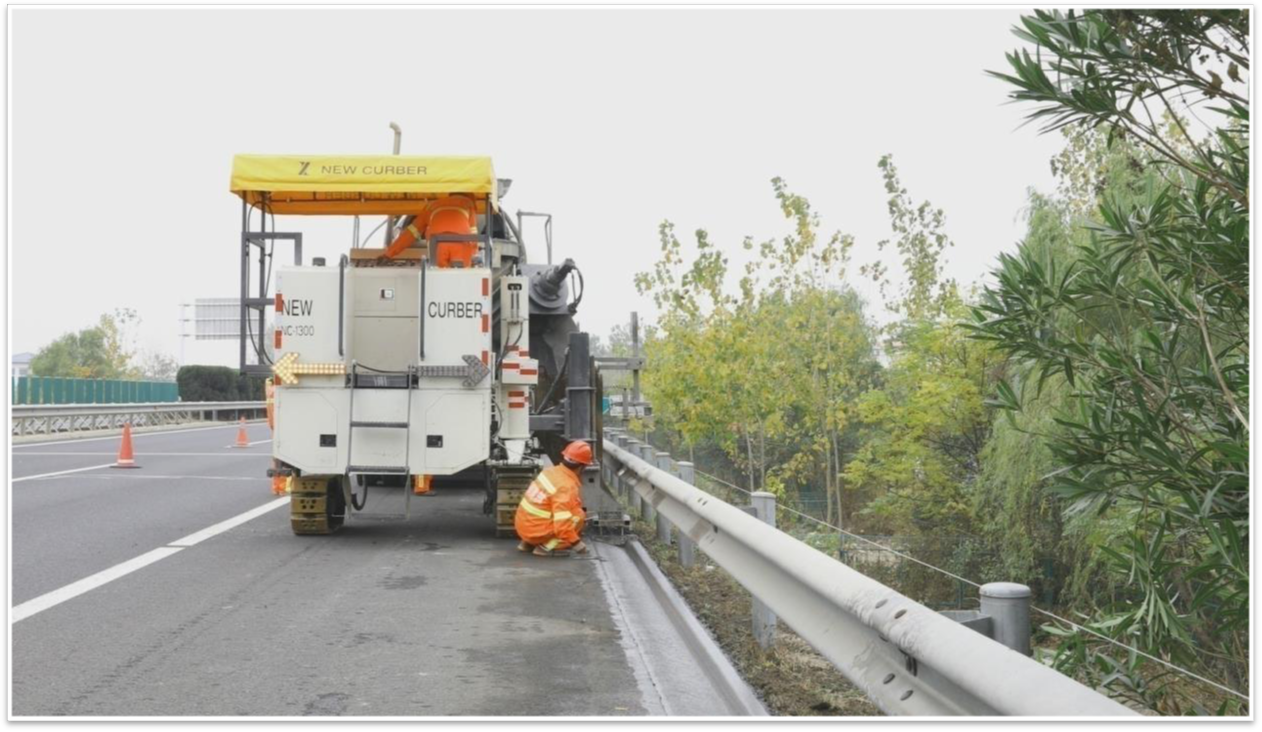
(45, 419)
(907, 658)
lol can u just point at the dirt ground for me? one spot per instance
(791, 678)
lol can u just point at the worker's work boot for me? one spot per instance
(541, 552)
(524, 547)
(580, 548)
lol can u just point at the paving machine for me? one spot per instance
(442, 357)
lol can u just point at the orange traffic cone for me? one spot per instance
(125, 457)
(243, 440)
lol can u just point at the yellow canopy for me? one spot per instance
(393, 185)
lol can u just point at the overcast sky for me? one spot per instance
(124, 124)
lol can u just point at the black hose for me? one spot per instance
(582, 287)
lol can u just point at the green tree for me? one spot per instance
(99, 352)
(766, 374)
(155, 366)
(1148, 326)
(1019, 519)
(924, 427)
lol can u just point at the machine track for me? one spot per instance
(316, 505)
(510, 485)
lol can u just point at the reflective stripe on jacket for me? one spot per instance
(551, 512)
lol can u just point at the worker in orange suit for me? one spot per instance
(550, 516)
(449, 215)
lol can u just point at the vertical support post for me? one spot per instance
(391, 221)
(635, 353)
(262, 244)
(686, 472)
(1008, 605)
(646, 509)
(764, 619)
(614, 436)
(663, 523)
(245, 278)
(620, 483)
(604, 464)
(632, 446)
(614, 463)
(579, 423)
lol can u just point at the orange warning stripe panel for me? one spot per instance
(529, 372)
(512, 348)
(280, 303)
(523, 354)
(516, 405)
(486, 323)
(486, 287)
(276, 340)
(485, 358)
(511, 365)
(517, 393)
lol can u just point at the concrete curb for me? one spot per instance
(718, 667)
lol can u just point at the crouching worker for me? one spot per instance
(550, 516)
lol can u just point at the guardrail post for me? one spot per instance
(1008, 605)
(615, 466)
(686, 472)
(663, 523)
(615, 436)
(764, 619)
(606, 463)
(633, 501)
(646, 509)
(623, 441)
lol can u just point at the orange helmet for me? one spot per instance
(578, 452)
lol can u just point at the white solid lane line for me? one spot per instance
(146, 453)
(87, 584)
(251, 444)
(223, 526)
(149, 476)
(60, 472)
(74, 589)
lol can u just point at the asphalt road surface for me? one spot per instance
(178, 589)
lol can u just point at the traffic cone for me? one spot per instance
(280, 483)
(125, 457)
(243, 440)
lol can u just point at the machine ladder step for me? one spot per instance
(383, 425)
(377, 469)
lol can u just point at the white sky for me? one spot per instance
(124, 124)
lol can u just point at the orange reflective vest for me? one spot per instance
(450, 215)
(551, 513)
